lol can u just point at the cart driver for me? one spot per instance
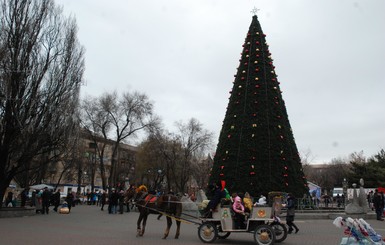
(218, 195)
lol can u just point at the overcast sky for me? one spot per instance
(329, 57)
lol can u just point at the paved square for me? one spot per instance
(89, 225)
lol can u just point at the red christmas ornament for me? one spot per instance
(242, 78)
(257, 86)
(229, 136)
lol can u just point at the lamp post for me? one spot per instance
(345, 190)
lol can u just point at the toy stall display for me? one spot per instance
(357, 232)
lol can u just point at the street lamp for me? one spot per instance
(345, 190)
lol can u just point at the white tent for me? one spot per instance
(41, 186)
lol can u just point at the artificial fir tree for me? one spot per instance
(256, 151)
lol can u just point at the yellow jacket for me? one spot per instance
(248, 203)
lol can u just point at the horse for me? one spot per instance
(167, 204)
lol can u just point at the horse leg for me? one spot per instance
(167, 231)
(177, 229)
(138, 229)
(144, 223)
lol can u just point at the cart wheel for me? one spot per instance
(223, 234)
(280, 231)
(264, 235)
(207, 232)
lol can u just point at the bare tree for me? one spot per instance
(129, 114)
(185, 149)
(201, 170)
(41, 67)
(97, 124)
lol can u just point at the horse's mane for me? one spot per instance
(141, 188)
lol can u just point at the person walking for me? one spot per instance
(70, 200)
(9, 199)
(378, 203)
(290, 214)
(121, 201)
(113, 201)
(103, 200)
(24, 197)
(46, 198)
(56, 200)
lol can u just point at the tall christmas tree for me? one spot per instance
(256, 151)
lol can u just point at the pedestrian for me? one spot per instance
(46, 198)
(103, 200)
(378, 203)
(24, 196)
(126, 200)
(33, 198)
(114, 201)
(121, 201)
(9, 199)
(70, 200)
(38, 202)
(56, 200)
(291, 213)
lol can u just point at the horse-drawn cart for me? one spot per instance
(262, 222)
(266, 229)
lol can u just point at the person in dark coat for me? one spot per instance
(70, 200)
(56, 200)
(121, 201)
(290, 214)
(103, 200)
(378, 203)
(46, 198)
(9, 199)
(24, 197)
(216, 199)
(113, 201)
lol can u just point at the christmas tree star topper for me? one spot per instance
(254, 11)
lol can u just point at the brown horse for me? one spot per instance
(167, 204)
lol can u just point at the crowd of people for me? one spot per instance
(45, 198)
